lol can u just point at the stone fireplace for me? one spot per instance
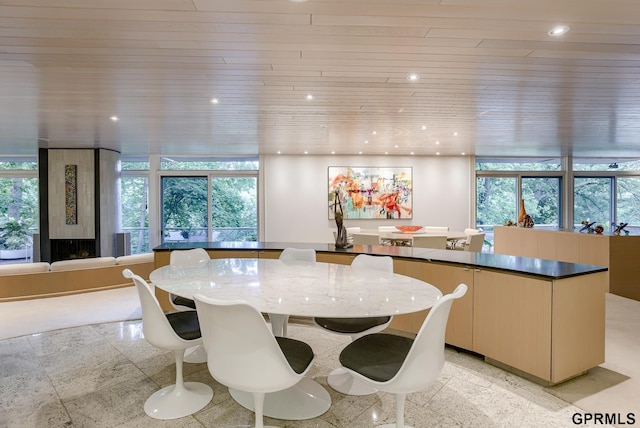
(79, 200)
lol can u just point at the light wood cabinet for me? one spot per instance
(343, 259)
(460, 325)
(618, 253)
(552, 330)
(446, 278)
(233, 254)
(512, 321)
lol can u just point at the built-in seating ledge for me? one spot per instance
(22, 281)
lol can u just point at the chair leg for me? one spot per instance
(258, 403)
(178, 400)
(400, 399)
(179, 356)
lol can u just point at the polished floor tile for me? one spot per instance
(100, 376)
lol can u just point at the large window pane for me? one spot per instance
(495, 203)
(592, 201)
(542, 200)
(18, 218)
(135, 212)
(628, 203)
(234, 213)
(184, 209)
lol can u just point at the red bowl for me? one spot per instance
(409, 228)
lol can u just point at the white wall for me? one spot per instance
(295, 194)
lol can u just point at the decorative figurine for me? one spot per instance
(587, 226)
(619, 228)
(527, 221)
(599, 229)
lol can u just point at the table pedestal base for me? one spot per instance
(305, 400)
(342, 381)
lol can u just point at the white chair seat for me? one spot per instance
(366, 238)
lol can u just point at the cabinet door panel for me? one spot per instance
(460, 323)
(512, 321)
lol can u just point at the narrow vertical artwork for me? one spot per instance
(71, 194)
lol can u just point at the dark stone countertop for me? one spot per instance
(545, 269)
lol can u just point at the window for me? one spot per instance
(209, 164)
(496, 203)
(234, 208)
(134, 196)
(501, 183)
(607, 191)
(542, 200)
(209, 199)
(515, 164)
(18, 208)
(592, 201)
(135, 212)
(628, 203)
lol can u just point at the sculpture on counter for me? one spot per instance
(619, 228)
(527, 221)
(341, 236)
(522, 214)
(599, 229)
(587, 226)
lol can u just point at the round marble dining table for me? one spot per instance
(306, 289)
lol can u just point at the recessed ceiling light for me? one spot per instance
(215, 101)
(114, 118)
(437, 142)
(333, 152)
(463, 153)
(558, 31)
(310, 97)
(386, 153)
(396, 146)
(359, 153)
(437, 153)
(413, 77)
(278, 152)
(306, 152)
(424, 127)
(455, 133)
(374, 132)
(412, 153)
(366, 141)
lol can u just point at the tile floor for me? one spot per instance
(99, 375)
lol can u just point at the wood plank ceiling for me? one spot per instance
(492, 81)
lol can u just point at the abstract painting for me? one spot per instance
(371, 192)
